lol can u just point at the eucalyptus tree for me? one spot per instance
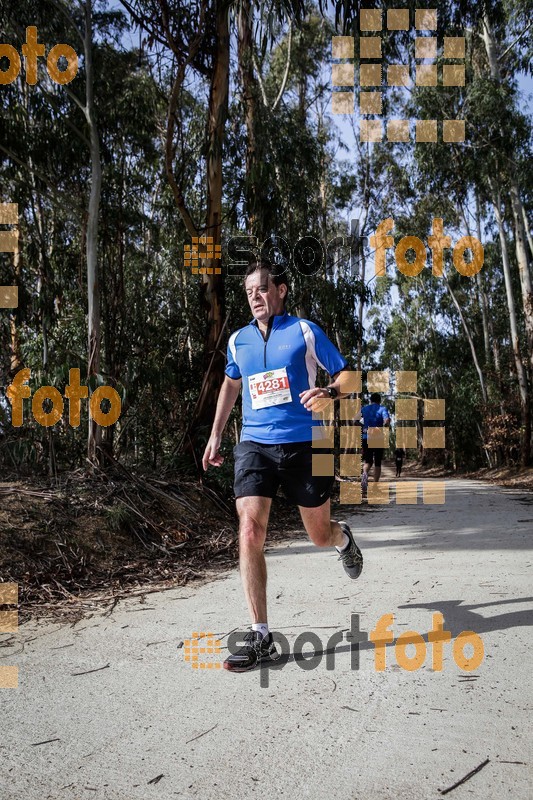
(77, 21)
(192, 40)
(492, 167)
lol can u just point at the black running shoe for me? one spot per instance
(352, 558)
(256, 649)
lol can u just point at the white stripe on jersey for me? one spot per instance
(232, 346)
(311, 359)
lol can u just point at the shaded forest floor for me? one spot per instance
(517, 477)
(85, 543)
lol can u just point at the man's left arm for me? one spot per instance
(317, 399)
(329, 358)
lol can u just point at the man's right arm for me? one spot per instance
(226, 400)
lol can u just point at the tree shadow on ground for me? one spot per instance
(457, 618)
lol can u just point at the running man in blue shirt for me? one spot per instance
(374, 416)
(274, 361)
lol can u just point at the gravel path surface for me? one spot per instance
(141, 723)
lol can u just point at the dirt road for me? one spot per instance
(141, 723)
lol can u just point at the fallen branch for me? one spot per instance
(34, 744)
(466, 777)
(112, 608)
(89, 670)
(202, 734)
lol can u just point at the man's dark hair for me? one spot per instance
(375, 397)
(276, 272)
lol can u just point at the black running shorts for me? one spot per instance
(372, 455)
(261, 468)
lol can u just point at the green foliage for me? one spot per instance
(307, 184)
(118, 518)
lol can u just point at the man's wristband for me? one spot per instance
(333, 393)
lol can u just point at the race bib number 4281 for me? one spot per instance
(270, 388)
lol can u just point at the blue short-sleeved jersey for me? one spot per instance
(296, 344)
(374, 416)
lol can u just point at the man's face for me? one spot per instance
(264, 297)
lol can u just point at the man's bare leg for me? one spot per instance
(323, 531)
(253, 520)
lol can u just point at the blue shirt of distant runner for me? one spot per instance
(296, 344)
(374, 416)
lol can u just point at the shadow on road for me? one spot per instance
(457, 618)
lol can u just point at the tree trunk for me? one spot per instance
(469, 338)
(361, 313)
(525, 278)
(519, 367)
(324, 184)
(490, 47)
(526, 228)
(245, 51)
(483, 305)
(523, 269)
(213, 286)
(43, 280)
(93, 285)
(483, 300)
